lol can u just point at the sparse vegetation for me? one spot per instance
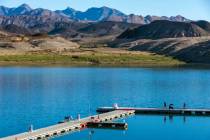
(103, 59)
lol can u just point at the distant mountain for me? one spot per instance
(135, 19)
(4, 11)
(91, 15)
(42, 21)
(107, 28)
(21, 10)
(29, 20)
(148, 19)
(144, 20)
(99, 14)
(69, 12)
(109, 14)
(97, 21)
(25, 10)
(164, 29)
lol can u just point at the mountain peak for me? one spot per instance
(178, 18)
(20, 10)
(68, 12)
(25, 6)
(69, 8)
(105, 7)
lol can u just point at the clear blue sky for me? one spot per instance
(193, 9)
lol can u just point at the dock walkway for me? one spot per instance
(160, 111)
(67, 127)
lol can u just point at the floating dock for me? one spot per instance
(160, 111)
(68, 127)
(108, 125)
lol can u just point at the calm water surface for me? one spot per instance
(43, 96)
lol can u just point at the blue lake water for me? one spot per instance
(43, 96)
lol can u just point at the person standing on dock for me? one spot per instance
(165, 105)
(171, 106)
(184, 106)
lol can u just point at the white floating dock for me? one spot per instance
(67, 127)
(160, 111)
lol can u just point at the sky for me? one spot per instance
(192, 9)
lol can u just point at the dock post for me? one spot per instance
(31, 128)
(78, 116)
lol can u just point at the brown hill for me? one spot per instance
(164, 29)
(67, 29)
(203, 24)
(188, 49)
(35, 43)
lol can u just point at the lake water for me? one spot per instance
(43, 96)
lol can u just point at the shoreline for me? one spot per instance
(35, 65)
(32, 64)
(88, 61)
(100, 58)
(107, 65)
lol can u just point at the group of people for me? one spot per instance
(171, 106)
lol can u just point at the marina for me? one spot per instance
(43, 97)
(71, 126)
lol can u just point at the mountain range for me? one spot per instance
(97, 22)
(91, 15)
